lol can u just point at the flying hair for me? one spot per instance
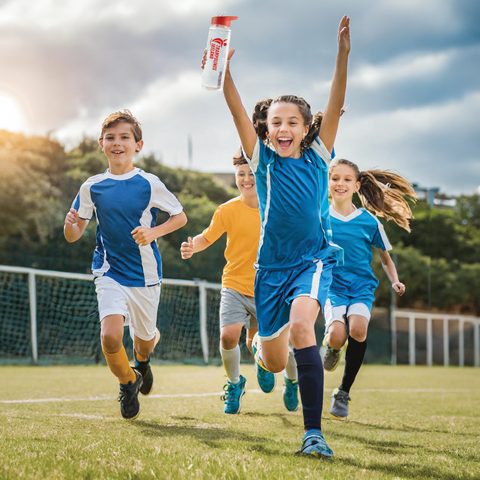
(260, 114)
(383, 193)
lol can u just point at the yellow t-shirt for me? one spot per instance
(242, 224)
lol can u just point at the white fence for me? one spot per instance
(414, 316)
(32, 292)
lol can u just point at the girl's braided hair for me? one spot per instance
(384, 193)
(260, 114)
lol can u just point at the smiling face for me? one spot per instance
(286, 129)
(119, 145)
(342, 183)
(245, 180)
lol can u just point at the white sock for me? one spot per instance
(291, 368)
(231, 362)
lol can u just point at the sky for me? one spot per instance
(413, 92)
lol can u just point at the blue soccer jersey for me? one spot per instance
(356, 234)
(122, 203)
(294, 208)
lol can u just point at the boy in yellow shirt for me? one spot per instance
(240, 218)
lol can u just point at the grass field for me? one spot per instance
(64, 422)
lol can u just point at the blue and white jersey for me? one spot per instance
(121, 203)
(294, 208)
(356, 234)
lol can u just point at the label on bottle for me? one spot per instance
(215, 46)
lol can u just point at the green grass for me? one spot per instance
(404, 423)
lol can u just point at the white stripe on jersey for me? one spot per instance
(316, 279)
(267, 208)
(381, 230)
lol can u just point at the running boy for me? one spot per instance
(126, 263)
(240, 218)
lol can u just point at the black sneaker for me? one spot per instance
(128, 398)
(147, 374)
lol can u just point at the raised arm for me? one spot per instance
(331, 115)
(246, 131)
(245, 128)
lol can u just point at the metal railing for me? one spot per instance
(414, 316)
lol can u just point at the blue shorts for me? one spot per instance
(276, 289)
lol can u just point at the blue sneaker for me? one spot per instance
(290, 394)
(266, 379)
(233, 395)
(315, 445)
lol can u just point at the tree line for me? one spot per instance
(439, 261)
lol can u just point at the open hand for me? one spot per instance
(344, 34)
(143, 236)
(186, 249)
(72, 218)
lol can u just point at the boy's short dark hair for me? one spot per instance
(239, 158)
(122, 116)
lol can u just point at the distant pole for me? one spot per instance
(190, 152)
(393, 320)
(429, 284)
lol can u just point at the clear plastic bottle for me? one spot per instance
(217, 51)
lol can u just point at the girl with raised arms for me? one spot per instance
(289, 152)
(353, 286)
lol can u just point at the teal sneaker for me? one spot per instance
(339, 408)
(314, 445)
(233, 395)
(290, 394)
(266, 379)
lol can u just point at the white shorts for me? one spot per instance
(138, 305)
(342, 312)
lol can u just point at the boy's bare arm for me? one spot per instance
(74, 226)
(331, 115)
(145, 236)
(194, 245)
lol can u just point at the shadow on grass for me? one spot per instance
(406, 428)
(213, 437)
(387, 447)
(284, 417)
(404, 471)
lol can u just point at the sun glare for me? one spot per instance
(12, 117)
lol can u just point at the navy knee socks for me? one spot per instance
(310, 383)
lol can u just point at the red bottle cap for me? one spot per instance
(227, 21)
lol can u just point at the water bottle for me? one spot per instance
(217, 51)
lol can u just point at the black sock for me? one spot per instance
(310, 383)
(353, 361)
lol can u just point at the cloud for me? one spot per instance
(431, 145)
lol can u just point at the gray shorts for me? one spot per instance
(237, 308)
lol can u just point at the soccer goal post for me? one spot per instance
(53, 316)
